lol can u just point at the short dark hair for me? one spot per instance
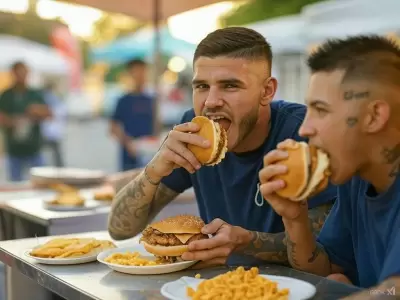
(135, 62)
(235, 42)
(18, 64)
(360, 57)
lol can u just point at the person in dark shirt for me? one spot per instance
(353, 114)
(232, 84)
(22, 109)
(133, 117)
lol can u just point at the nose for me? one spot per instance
(307, 129)
(213, 99)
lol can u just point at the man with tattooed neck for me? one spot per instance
(353, 114)
(232, 84)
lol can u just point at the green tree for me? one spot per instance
(258, 10)
(112, 26)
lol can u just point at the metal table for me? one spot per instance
(97, 281)
(26, 218)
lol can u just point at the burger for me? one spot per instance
(308, 171)
(168, 239)
(213, 132)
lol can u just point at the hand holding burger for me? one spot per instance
(291, 174)
(190, 145)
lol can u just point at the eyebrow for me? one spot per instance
(222, 81)
(316, 102)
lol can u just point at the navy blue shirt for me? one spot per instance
(362, 232)
(134, 112)
(229, 189)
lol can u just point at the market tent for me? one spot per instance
(40, 58)
(145, 9)
(285, 34)
(338, 19)
(141, 45)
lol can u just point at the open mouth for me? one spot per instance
(222, 121)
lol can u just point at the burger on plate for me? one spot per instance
(308, 171)
(168, 239)
(213, 132)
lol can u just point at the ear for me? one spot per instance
(377, 116)
(270, 85)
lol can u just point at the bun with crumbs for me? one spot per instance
(213, 132)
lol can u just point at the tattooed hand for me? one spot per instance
(286, 208)
(215, 251)
(174, 153)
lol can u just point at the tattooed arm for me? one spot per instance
(136, 204)
(304, 253)
(272, 247)
(119, 180)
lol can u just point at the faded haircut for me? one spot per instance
(364, 57)
(235, 42)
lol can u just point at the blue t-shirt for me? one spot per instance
(228, 190)
(362, 232)
(134, 112)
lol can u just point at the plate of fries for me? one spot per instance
(69, 251)
(239, 285)
(136, 260)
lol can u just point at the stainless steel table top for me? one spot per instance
(97, 281)
(33, 209)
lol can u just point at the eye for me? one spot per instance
(201, 87)
(230, 86)
(320, 111)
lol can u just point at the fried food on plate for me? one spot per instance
(239, 284)
(68, 199)
(105, 193)
(169, 238)
(132, 259)
(67, 195)
(71, 247)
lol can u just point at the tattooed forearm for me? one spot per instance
(300, 253)
(388, 289)
(270, 247)
(273, 247)
(134, 205)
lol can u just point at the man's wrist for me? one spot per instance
(246, 236)
(150, 176)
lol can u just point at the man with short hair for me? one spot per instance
(232, 85)
(22, 109)
(353, 114)
(133, 116)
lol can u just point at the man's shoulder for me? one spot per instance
(287, 119)
(290, 110)
(187, 116)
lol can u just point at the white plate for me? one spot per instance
(145, 270)
(65, 261)
(298, 289)
(88, 205)
(67, 175)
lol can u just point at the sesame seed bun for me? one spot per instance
(217, 136)
(179, 224)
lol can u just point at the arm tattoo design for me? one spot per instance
(132, 208)
(276, 247)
